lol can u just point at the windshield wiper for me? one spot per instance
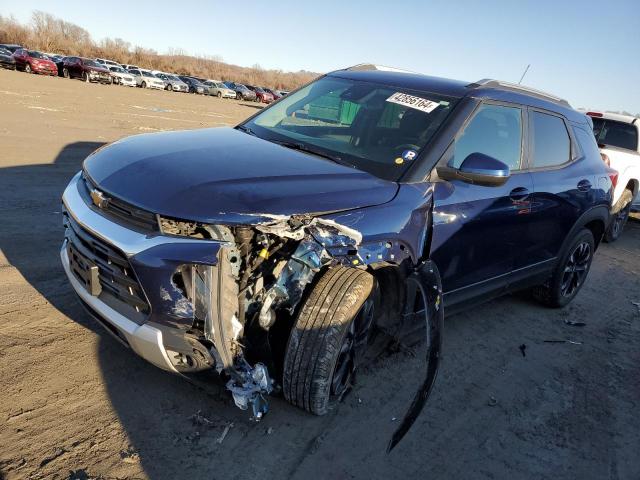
(246, 129)
(302, 147)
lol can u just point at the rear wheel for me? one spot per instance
(570, 273)
(328, 338)
(27, 68)
(620, 219)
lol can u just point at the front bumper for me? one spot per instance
(161, 332)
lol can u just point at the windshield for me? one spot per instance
(42, 56)
(148, 74)
(376, 128)
(615, 134)
(91, 63)
(117, 69)
(4, 52)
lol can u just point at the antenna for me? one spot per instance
(525, 72)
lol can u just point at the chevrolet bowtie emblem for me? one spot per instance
(99, 199)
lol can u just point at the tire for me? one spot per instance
(65, 72)
(333, 322)
(85, 77)
(143, 84)
(27, 68)
(619, 219)
(570, 273)
(219, 95)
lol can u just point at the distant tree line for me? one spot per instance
(50, 34)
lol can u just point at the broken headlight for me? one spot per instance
(185, 228)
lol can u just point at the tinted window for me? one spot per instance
(550, 140)
(494, 130)
(616, 134)
(587, 143)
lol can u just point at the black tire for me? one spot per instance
(570, 273)
(65, 72)
(27, 68)
(619, 220)
(143, 85)
(333, 319)
(85, 77)
(219, 94)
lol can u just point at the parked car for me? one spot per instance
(243, 93)
(7, 60)
(274, 93)
(261, 95)
(107, 63)
(269, 251)
(120, 76)
(32, 61)
(617, 137)
(130, 67)
(146, 79)
(219, 89)
(172, 82)
(85, 69)
(194, 85)
(12, 47)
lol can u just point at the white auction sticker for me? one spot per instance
(410, 101)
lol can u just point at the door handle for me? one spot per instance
(584, 185)
(519, 193)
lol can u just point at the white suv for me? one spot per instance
(618, 138)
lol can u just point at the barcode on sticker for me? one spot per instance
(410, 101)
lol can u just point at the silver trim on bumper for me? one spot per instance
(146, 341)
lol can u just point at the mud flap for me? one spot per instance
(428, 283)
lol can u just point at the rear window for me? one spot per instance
(615, 134)
(551, 145)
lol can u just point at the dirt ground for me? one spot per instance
(76, 404)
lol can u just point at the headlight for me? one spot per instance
(185, 228)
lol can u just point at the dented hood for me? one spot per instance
(222, 174)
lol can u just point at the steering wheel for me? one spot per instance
(407, 146)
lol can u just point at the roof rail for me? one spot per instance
(488, 82)
(371, 66)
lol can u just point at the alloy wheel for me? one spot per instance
(352, 348)
(620, 220)
(575, 269)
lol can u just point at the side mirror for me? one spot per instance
(479, 169)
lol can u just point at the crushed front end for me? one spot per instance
(188, 296)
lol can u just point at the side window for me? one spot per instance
(494, 130)
(551, 145)
(587, 143)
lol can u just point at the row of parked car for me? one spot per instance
(106, 71)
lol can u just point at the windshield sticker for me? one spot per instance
(409, 155)
(410, 101)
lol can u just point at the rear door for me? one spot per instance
(562, 185)
(477, 230)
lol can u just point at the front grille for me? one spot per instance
(118, 286)
(118, 210)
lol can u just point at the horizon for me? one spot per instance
(576, 51)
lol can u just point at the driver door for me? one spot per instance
(478, 230)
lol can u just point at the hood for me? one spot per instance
(225, 175)
(98, 69)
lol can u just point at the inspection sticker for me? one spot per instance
(410, 101)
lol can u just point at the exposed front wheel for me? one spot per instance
(328, 338)
(570, 273)
(65, 73)
(85, 77)
(144, 85)
(219, 94)
(27, 68)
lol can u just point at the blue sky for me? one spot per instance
(586, 51)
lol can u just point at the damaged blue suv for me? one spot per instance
(369, 199)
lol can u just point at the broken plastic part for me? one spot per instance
(250, 388)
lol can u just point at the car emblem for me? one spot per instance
(99, 199)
